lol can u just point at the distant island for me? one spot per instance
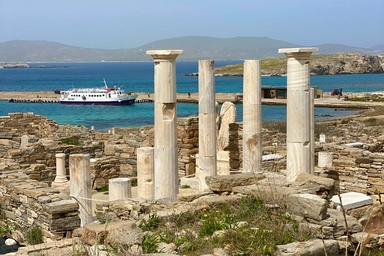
(25, 65)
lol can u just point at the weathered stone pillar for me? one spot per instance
(207, 123)
(252, 144)
(61, 175)
(166, 168)
(119, 189)
(24, 142)
(322, 138)
(80, 188)
(312, 126)
(298, 111)
(145, 173)
(324, 159)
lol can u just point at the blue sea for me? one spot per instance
(138, 77)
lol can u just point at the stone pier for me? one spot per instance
(119, 189)
(166, 168)
(145, 173)
(80, 188)
(207, 123)
(252, 137)
(298, 111)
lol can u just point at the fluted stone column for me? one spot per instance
(312, 126)
(119, 189)
(298, 111)
(166, 168)
(207, 123)
(145, 173)
(60, 168)
(80, 188)
(252, 144)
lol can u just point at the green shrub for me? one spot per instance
(70, 141)
(151, 224)
(5, 229)
(34, 235)
(149, 243)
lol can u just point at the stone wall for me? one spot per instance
(25, 203)
(355, 169)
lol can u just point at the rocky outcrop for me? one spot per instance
(351, 63)
(324, 64)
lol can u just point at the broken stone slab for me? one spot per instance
(61, 207)
(113, 232)
(351, 200)
(309, 248)
(353, 224)
(123, 234)
(324, 187)
(271, 157)
(308, 206)
(224, 183)
(270, 194)
(355, 144)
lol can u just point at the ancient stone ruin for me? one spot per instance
(48, 172)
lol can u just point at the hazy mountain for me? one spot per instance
(195, 47)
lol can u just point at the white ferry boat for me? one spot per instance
(97, 96)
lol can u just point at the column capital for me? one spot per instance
(60, 155)
(164, 54)
(298, 52)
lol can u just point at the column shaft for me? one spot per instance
(80, 187)
(312, 126)
(60, 168)
(207, 123)
(119, 189)
(298, 111)
(166, 168)
(252, 118)
(145, 173)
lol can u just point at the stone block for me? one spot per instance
(308, 206)
(64, 224)
(352, 200)
(61, 207)
(227, 182)
(309, 248)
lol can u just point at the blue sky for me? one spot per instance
(118, 24)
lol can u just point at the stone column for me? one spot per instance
(207, 123)
(166, 168)
(119, 189)
(252, 144)
(322, 138)
(145, 173)
(312, 126)
(325, 159)
(298, 111)
(80, 188)
(61, 175)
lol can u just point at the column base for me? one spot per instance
(63, 187)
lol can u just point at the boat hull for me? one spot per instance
(113, 103)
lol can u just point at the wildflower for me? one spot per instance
(205, 215)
